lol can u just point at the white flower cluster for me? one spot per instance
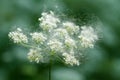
(38, 37)
(71, 27)
(57, 38)
(88, 37)
(55, 45)
(35, 55)
(70, 59)
(48, 21)
(62, 33)
(70, 42)
(18, 37)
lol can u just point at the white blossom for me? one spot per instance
(18, 37)
(64, 38)
(55, 45)
(38, 37)
(48, 21)
(88, 37)
(71, 27)
(35, 55)
(60, 33)
(70, 59)
(69, 42)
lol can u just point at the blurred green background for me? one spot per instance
(102, 63)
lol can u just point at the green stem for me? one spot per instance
(50, 67)
(27, 45)
(50, 71)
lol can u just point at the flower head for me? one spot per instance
(55, 45)
(70, 59)
(35, 55)
(87, 37)
(18, 37)
(70, 42)
(48, 21)
(38, 37)
(71, 27)
(61, 32)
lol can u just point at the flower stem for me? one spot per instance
(50, 68)
(50, 71)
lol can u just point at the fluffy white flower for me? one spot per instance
(70, 42)
(70, 59)
(71, 27)
(55, 45)
(38, 37)
(18, 37)
(87, 37)
(48, 21)
(60, 39)
(35, 55)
